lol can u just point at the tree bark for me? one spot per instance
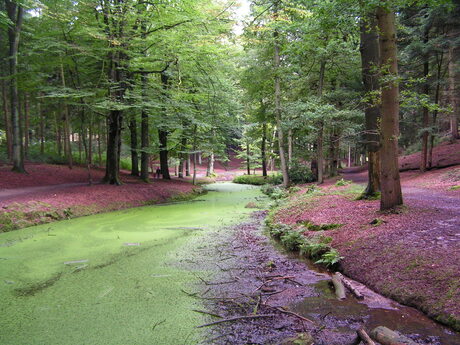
(426, 115)
(248, 160)
(183, 155)
(370, 61)
(210, 167)
(145, 142)
(289, 146)
(187, 165)
(26, 125)
(15, 13)
(195, 129)
(278, 115)
(320, 139)
(7, 119)
(134, 154)
(41, 112)
(163, 136)
(67, 143)
(263, 149)
(389, 168)
(454, 81)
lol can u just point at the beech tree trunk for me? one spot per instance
(389, 168)
(187, 165)
(210, 167)
(248, 161)
(263, 149)
(112, 165)
(454, 81)
(145, 142)
(67, 143)
(134, 154)
(278, 115)
(426, 115)
(41, 112)
(163, 138)
(183, 156)
(370, 61)
(7, 119)
(320, 139)
(15, 14)
(26, 125)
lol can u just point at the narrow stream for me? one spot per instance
(116, 278)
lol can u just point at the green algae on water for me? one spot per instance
(77, 282)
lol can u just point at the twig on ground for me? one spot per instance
(157, 324)
(365, 337)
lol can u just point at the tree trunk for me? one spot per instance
(67, 143)
(41, 112)
(187, 165)
(58, 134)
(426, 115)
(199, 158)
(15, 14)
(248, 160)
(210, 167)
(195, 129)
(99, 148)
(263, 149)
(26, 125)
(319, 144)
(389, 168)
(112, 175)
(290, 146)
(90, 140)
(134, 155)
(163, 138)
(183, 156)
(7, 119)
(370, 61)
(145, 156)
(319, 154)
(435, 113)
(278, 115)
(454, 81)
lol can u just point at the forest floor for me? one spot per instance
(52, 192)
(411, 255)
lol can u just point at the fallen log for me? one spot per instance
(338, 286)
(386, 336)
(365, 337)
(349, 285)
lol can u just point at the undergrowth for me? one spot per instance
(317, 247)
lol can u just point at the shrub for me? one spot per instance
(292, 240)
(300, 173)
(255, 180)
(342, 182)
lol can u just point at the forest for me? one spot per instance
(346, 113)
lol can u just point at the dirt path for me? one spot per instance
(442, 228)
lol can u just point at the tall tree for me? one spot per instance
(15, 13)
(390, 185)
(370, 62)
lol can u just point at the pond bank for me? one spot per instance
(292, 298)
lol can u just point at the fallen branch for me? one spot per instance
(349, 285)
(365, 337)
(338, 286)
(281, 310)
(236, 319)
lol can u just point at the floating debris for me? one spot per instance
(160, 275)
(131, 244)
(9, 282)
(75, 262)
